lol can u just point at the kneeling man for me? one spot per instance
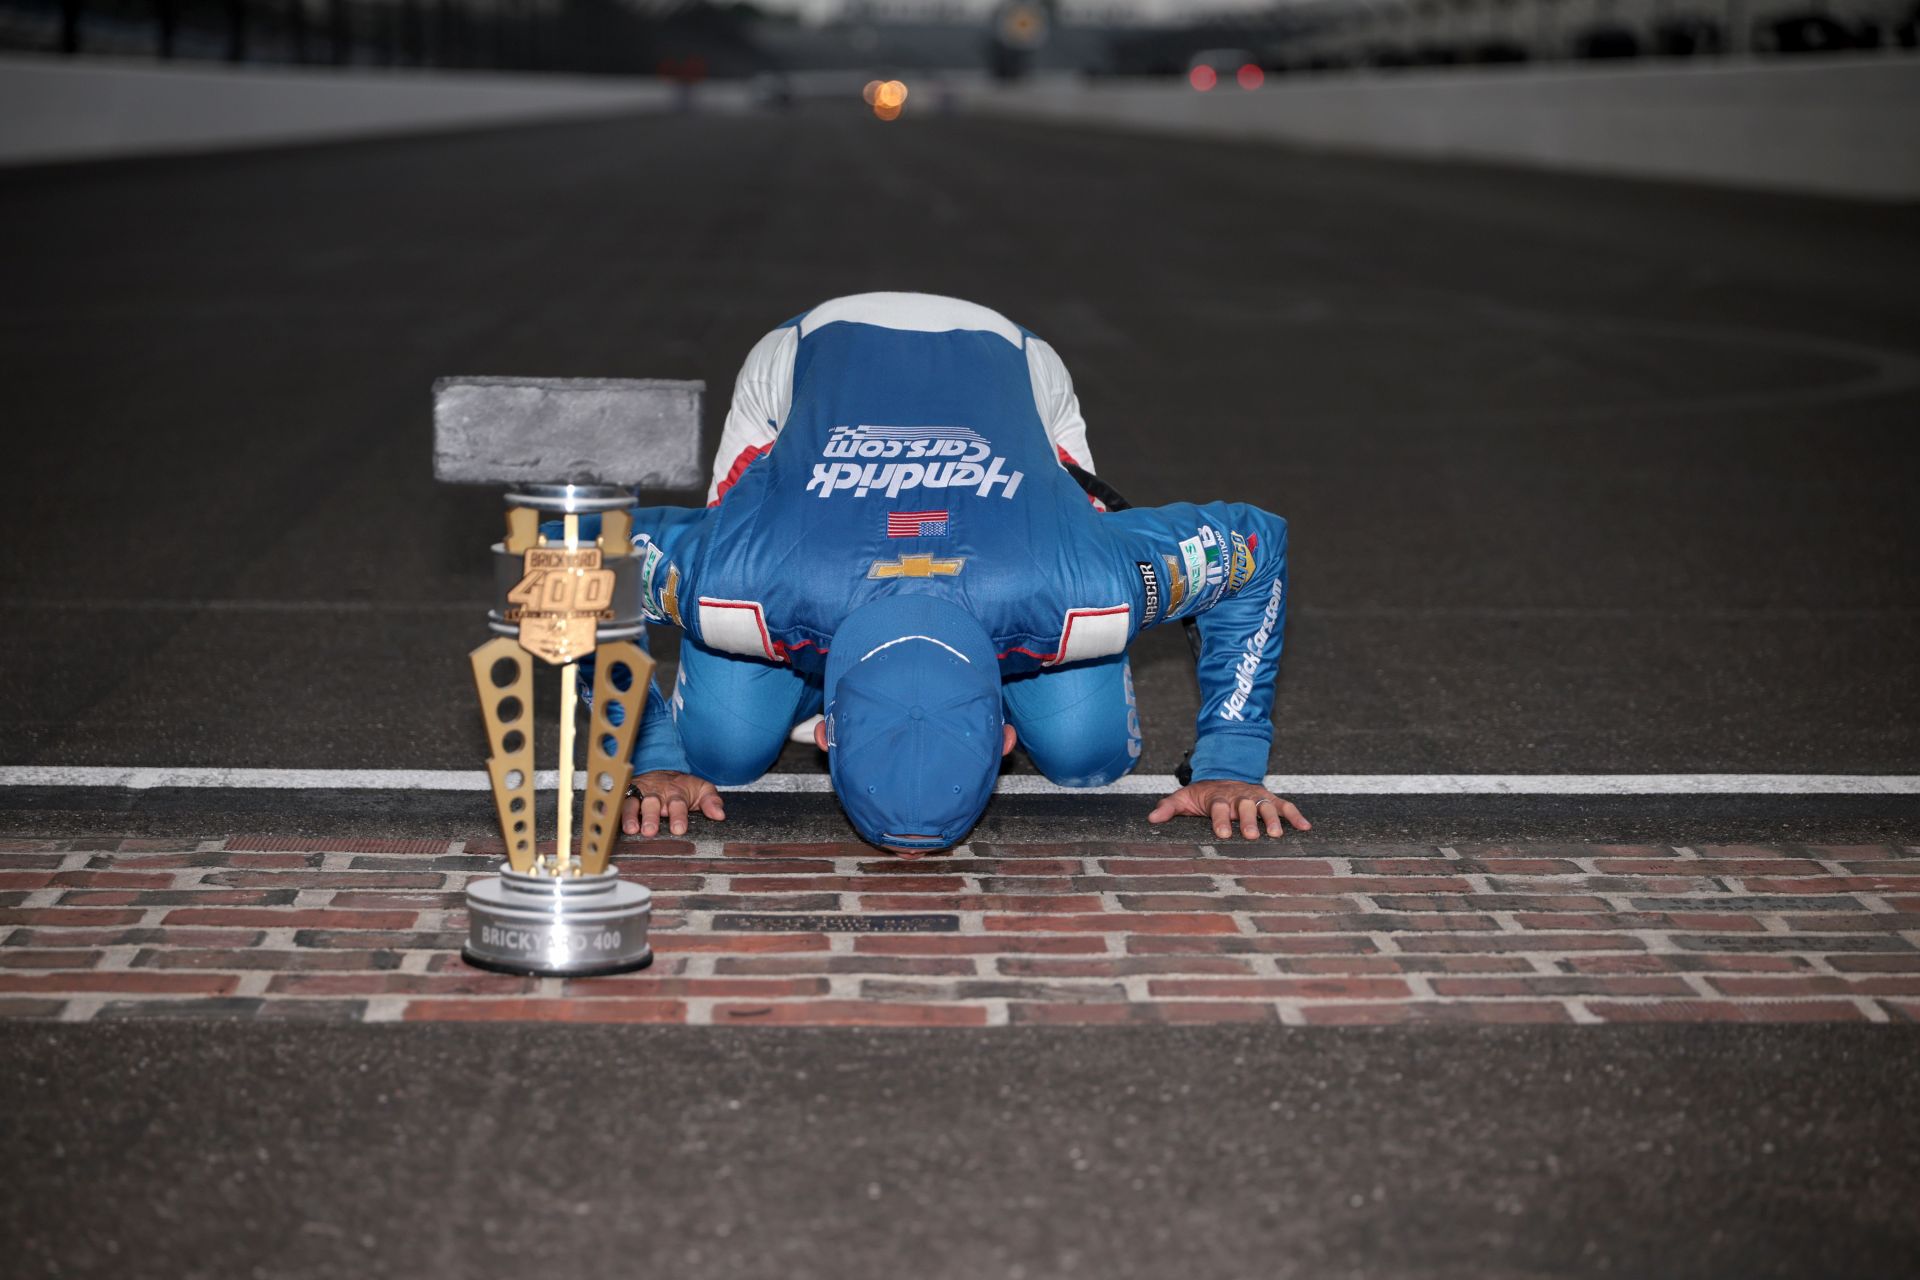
(894, 543)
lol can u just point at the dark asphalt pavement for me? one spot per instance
(1584, 475)
(1487, 1154)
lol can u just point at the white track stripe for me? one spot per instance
(1372, 784)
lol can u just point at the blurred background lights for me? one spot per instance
(1250, 76)
(1202, 78)
(886, 97)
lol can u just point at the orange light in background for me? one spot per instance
(1202, 78)
(1250, 76)
(889, 97)
(873, 88)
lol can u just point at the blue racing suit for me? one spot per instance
(910, 454)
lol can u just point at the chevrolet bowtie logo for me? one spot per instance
(916, 567)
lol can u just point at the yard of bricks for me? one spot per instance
(265, 926)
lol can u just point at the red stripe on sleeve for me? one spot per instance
(739, 467)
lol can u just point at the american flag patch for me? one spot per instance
(916, 524)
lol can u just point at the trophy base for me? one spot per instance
(557, 926)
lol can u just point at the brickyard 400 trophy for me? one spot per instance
(571, 451)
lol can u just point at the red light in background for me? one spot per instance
(1202, 78)
(1250, 76)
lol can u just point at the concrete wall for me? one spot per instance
(54, 109)
(1841, 126)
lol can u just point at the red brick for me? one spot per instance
(545, 1010)
(646, 982)
(1314, 875)
(156, 844)
(1490, 902)
(1356, 884)
(73, 916)
(257, 959)
(799, 849)
(1844, 852)
(1284, 988)
(1236, 902)
(1103, 884)
(1909, 963)
(958, 944)
(1718, 1011)
(1692, 922)
(1693, 962)
(133, 980)
(292, 918)
(376, 939)
(1884, 866)
(1118, 966)
(1089, 849)
(1110, 922)
(328, 880)
(845, 884)
(1563, 985)
(471, 983)
(1863, 922)
(1816, 984)
(1515, 867)
(910, 966)
(12, 845)
(1133, 1014)
(1444, 866)
(62, 958)
(1904, 905)
(1556, 942)
(1265, 944)
(175, 897)
(741, 942)
(1463, 1011)
(1361, 965)
(1902, 1010)
(27, 880)
(115, 880)
(849, 1013)
(1837, 884)
(26, 1008)
(982, 902)
(1370, 923)
(33, 861)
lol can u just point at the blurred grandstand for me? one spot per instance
(693, 39)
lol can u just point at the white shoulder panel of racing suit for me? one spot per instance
(1059, 407)
(914, 312)
(763, 392)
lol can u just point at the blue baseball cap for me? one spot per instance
(913, 720)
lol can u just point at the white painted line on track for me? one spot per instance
(1371, 784)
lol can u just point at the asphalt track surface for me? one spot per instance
(1584, 476)
(1489, 1154)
